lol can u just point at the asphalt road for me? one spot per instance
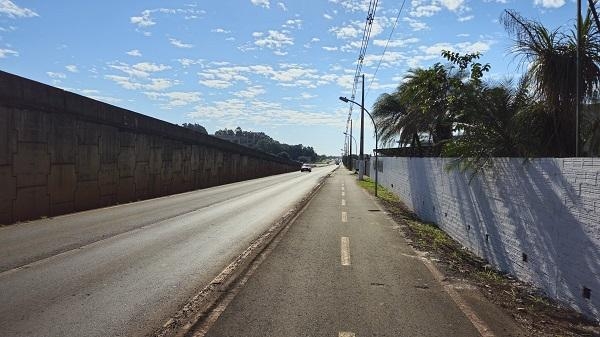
(123, 270)
(342, 269)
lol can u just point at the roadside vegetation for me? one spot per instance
(456, 109)
(537, 314)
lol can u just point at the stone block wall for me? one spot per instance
(61, 152)
(537, 219)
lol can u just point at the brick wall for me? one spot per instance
(61, 152)
(536, 219)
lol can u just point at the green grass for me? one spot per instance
(489, 276)
(382, 193)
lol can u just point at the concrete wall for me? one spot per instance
(538, 220)
(61, 152)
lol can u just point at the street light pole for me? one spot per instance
(352, 138)
(351, 160)
(346, 100)
(361, 165)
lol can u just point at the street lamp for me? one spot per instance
(355, 146)
(346, 100)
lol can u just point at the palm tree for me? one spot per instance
(506, 124)
(550, 57)
(420, 105)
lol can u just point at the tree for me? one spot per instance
(507, 125)
(431, 101)
(195, 127)
(550, 57)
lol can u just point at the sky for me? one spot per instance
(273, 66)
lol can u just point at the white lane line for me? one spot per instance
(343, 187)
(344, 217)
(345, 256)
(343, 202)
(343, 194)
(346, 334)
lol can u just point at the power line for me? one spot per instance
(386, 46)
(362, 52)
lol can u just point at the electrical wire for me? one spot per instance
(362, 53)
(386, 46)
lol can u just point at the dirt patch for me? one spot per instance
(535, 313)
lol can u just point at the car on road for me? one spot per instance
(306, 167)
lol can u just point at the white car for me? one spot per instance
(306, 167)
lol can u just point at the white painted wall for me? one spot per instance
(546, 208)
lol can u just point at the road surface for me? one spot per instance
(124, 270)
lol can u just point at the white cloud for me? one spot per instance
(305, 95)
(220, 30)
(8, 52)
(389, 59)
(282, 6)
(327, 16)
(263, 3)
(13, 11)
(150, 67)
(179, 44)
(395, 43)
(466, 18)
(56, 75)
(237, 110)
(420, 9)
(185, 62)
(216, 84)
(134, 52)
(416, 25)
(549, 3)
(95, 94)
(274, 39)
(153, 84)
(453, 5)
(143, 21)
(352, 30)
(330, 48)
(72, 68)
(353, 5)
(139, 76)
(428, 8)
(293, 23)
(174, 98)
(250, 92)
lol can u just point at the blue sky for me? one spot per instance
(276, 66)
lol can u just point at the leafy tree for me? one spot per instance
(262, 142)
(283, 154)
(195, 127)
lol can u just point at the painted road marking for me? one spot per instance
(343, 187)
(345, 251)
(346, 334)
(343, 194)
(343, 202)
(344, 217)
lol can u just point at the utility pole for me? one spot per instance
(361, 165)
(578, 78)
(350, 140)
